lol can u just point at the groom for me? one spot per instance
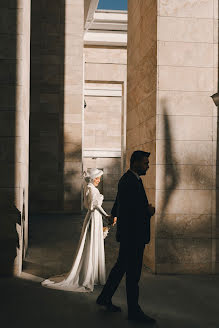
(133, 214)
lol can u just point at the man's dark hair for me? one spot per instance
(138, 155)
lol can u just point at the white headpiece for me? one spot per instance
(92, 174)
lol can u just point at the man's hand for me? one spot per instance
(112, 220)
(151, 210)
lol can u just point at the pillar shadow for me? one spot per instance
(10, 216)
(46, 170)
(171, 174)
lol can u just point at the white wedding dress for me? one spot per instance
(88, 268)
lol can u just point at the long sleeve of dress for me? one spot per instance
(94, 201)
(101, 210)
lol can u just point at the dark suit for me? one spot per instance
(133, 232)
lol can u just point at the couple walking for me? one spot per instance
(131, 212)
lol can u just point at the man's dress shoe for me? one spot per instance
(108, 304)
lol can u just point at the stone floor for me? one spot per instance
(175, 301)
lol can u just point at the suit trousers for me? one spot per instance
(129, 261)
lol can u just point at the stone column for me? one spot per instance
(73, 102)
(141, 95)
(14, 132)
(184, 239)
(56, 105)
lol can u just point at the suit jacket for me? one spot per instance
(131, 210)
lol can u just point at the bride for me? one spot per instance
(88, 268)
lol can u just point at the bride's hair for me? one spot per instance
(86, 177)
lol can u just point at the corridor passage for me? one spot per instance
(175, 301)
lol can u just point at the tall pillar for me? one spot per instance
(56, 105)
(141, 95)
(14, 132)
(73, 102)
(182, 73)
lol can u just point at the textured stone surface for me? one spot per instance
(14, 136)
(186, 130)
(105, 73)
(141, 93)
(56, 105)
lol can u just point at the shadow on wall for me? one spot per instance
(196, 226)
(10, 216)
(171, 174)
(9, 240)
(73, 179)
(46, 170)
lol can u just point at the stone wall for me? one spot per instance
(173, 86)
(141, 95)
(185, 171)
(105, 72)
(56, 105)
(14, 132)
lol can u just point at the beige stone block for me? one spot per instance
(184, 152)
(215, 128)
(185, 29)
(107, 142)
(184, 251)
(147, 108)
(185, 54)
(215, 81)
(150, 179)
(73, 47)
(215, 154)
(74, 14)
(142, 79)
(132, 139)
(215, 177)
(183, 225)
(101, 55)
(73, 104)
(71, 167)
(73, 76)
(73, 89)
(89, 131)
(185, 78)
(89, 142)
(105, 72)
(147, 131)
(184, 128)
(132, 119)
(184, 177)
(215, 32)
(72, 118)
(74, 136)
(72, 152)
(179, 103)
(215, 202)
(185, 8)
(184, 201)
(216, 9)
(215, 226)
(216, 53)
(151, 197)
(184, 268)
